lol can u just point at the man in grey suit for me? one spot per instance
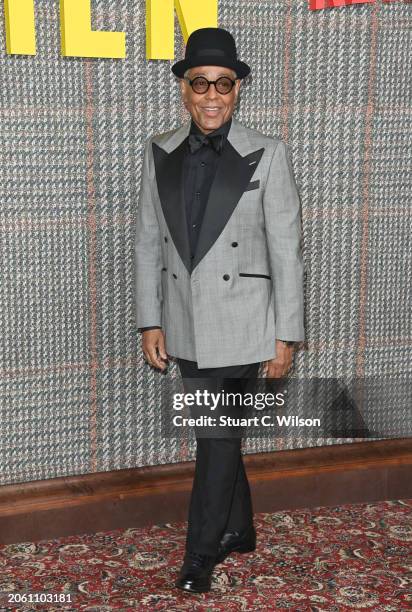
(218, 276)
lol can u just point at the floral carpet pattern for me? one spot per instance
(350, 557)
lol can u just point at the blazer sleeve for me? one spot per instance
(281, 206)
(147, 254)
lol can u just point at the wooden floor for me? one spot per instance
(310, 477)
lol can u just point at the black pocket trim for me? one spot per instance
(255, 275)
(253, 185)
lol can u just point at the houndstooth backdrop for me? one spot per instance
(335, 84)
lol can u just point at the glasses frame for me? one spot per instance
(191, 81)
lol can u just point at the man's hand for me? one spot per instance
(279, 366)
(152, 344)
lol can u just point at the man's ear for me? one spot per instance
(184, 94)
(183, 88)
(237, 88)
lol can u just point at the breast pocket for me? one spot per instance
(247, 274)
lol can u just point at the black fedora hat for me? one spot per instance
(211, 47)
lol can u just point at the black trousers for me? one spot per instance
(220, 499)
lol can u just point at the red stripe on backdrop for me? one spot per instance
(315, 5)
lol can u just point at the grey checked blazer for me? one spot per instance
(244, 287)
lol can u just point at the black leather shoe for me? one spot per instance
(233, 541)
(196, 573)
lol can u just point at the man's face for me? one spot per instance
(211, 109)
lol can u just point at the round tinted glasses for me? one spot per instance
(200, 85)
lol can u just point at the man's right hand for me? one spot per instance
(153, 346)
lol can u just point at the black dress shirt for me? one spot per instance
(199, 169)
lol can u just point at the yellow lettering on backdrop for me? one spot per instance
(20, 29)
(77, 37)
(192, 15)
(79, 40)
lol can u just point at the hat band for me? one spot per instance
(218, 52)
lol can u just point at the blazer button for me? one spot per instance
(164, 269)
(234, 244)
(226, 277)
(174, 275)
(165, 238)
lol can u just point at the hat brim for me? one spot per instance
(239, 67)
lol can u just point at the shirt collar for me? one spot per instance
(223, 129)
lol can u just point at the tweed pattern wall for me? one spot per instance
(335, 84)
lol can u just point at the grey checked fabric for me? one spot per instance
(76, 395)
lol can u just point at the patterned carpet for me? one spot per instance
(351, 557)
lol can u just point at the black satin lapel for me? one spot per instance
(232, 177)
(169, 175)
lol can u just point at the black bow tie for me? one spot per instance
(196, 141)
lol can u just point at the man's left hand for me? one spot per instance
(280, 365)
